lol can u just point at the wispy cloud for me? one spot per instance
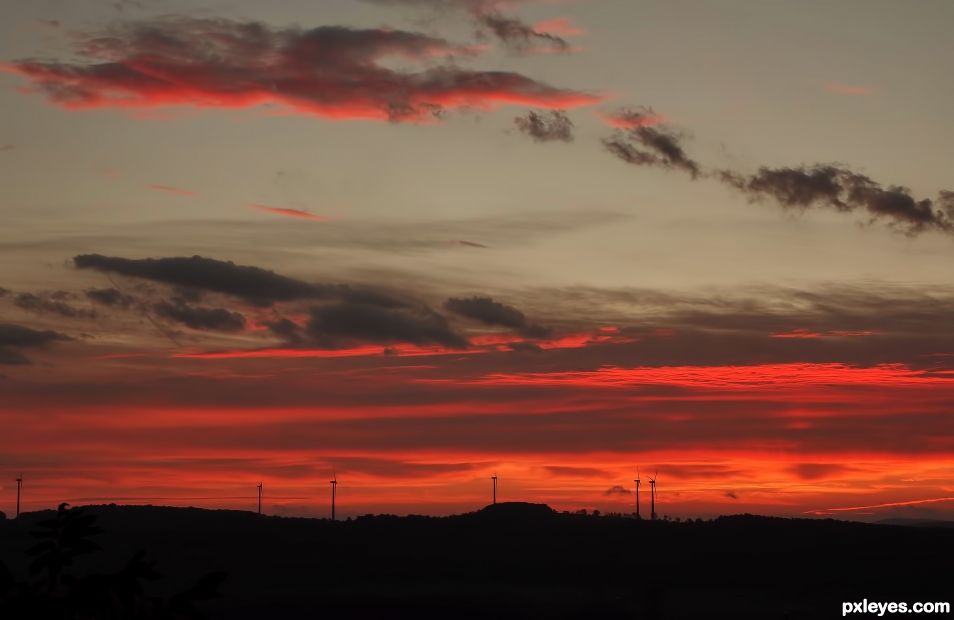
(493, 18)
(913, 502)
(560, 26)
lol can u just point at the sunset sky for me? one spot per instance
(417, 242)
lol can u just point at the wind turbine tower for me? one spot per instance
(494, 478)
(652, 494)
(259, 498)
(638, 482)
(334, 491)
(19, 486)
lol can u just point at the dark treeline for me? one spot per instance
(519, 561)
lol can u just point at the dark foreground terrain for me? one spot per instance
(510, 561)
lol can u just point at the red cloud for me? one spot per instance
(561, 26)
(732, 377)
(797, 333)
(329, 71)
(297, 213)
(625, 119)
(805, 334)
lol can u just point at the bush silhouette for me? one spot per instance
(53, 592)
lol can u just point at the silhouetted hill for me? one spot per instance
(512, 511)
(517, 560)
(917, 522)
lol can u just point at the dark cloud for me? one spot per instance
(731, 494)
(15, 337)
(517, 35)
(330, 71)
(525, 347)
(856, 325)
(835, 187)
(253, 284)
(643, 139)
(617, 490)
(11, 357)
(188, 294)
(19, 336)
(645, 142)
(51, 303)
(286, 329)
(545, 126)
(487, 311)
(356, 321)
(110, 297)
(490, 312)
(817, 471)
(945, 200)
(470, 244)
(189, 276)
(199, 317)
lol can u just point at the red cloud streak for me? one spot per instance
(296, 213)
(560, 26)
(625, 120)
(427, 438)
(333, 72)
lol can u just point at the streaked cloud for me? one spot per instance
(172, 190)
(14, 338)
(330, 71)
(296, 213)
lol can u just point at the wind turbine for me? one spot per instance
(334, 491)
(259, 498)
(638, 482)
(652, 492)
(494, 478)
(19, 486)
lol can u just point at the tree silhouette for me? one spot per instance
(53, 592)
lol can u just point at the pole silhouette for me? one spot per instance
(334, 490)
(638, 482)
(19, 486)
(652, 494)
(494, 478)
(259, 498)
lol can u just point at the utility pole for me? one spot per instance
(259, 498)
(652, 492)
(19, 486)
(494, 478)
(334, 491)
(637, 481)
